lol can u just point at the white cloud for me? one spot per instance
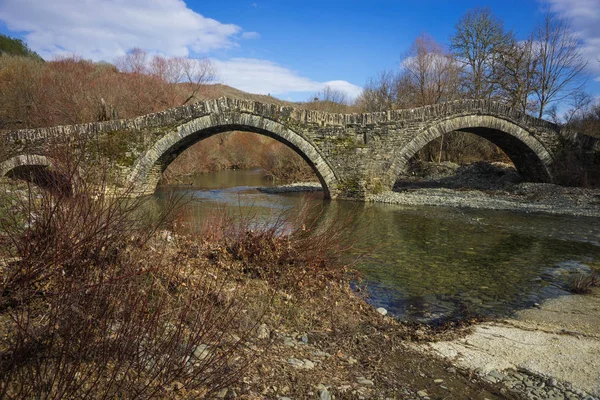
(350, 89)
(585, 16)
(250, 35)
(264, 77)
(105, 29)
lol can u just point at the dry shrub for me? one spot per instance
(283, 164)
(298, 252)
(94, 304)
(583, 283)
(70, 90)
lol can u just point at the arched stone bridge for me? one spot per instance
(353, 155)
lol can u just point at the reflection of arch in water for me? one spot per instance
(148, 168)
(531, 159)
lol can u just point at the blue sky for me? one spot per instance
(289, 49)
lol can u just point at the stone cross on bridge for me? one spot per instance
(353, 155)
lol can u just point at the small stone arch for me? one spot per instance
(24, 160)
(39, 170)
(149, 166)
(531, 159)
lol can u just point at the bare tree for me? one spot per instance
(479, 34)
(134, 62)
(560, 62)
(379, 93)
(579, 105)
(430, 73)
(329, 99)
(197, 73)
(516, 74)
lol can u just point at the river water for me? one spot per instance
(427, 264)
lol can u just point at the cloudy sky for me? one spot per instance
(289, 49)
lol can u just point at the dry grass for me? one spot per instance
(583, 283)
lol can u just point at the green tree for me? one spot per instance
(16, 47)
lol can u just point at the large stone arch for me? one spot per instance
(532, 160)
(149, 166)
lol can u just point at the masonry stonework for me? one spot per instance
(353, 155)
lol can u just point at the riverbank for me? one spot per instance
(524, 197)
(551, 351)
(491, 186)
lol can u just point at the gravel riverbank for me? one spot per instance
(492, 186)
(524, 197)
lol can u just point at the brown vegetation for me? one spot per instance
(71, 90)
(95, 304)
(240, 150)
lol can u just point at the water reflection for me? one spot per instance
(429, 263)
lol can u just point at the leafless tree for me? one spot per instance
(478, 37)
(516, 73)
(330, 100)
(560, 62)
(379, 93)
(134, 62)
(430, 73)
(579, 105)
(197, 73)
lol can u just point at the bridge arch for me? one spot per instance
(531, 159)
(39, 170)
(150, 165)
(29, 160)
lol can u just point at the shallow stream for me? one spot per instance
(428, 263)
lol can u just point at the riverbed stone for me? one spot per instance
(361, 380)
(382, 311)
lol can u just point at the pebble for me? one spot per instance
(422, 393)
(382, 311)
(438, 380)
(361, 380)
(324, 394)
(263, 332)
(534, 387)
(302, 364)
(319, 353)
(201, 352)
(294, 362)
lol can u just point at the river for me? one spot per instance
(427, 264)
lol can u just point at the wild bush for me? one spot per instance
(95, 304)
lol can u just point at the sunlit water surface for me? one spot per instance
(426, 263)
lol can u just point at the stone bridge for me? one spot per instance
(353, 155)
